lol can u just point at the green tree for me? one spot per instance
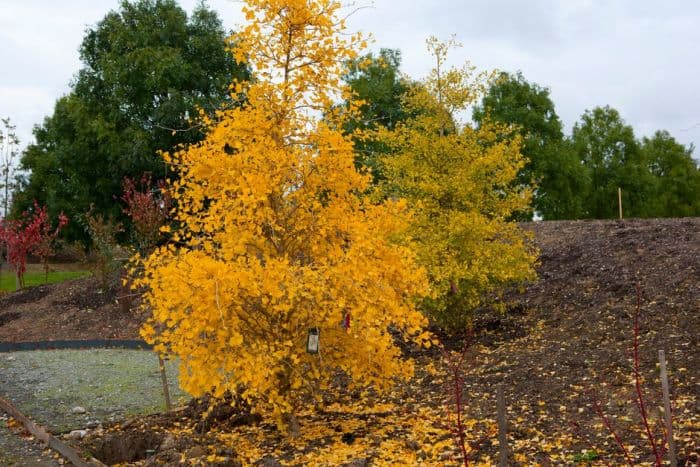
(606, 146)
(148, 71)
(376, 81)
(677, 177)
(57, 179)
(552, 165)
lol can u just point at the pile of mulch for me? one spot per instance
(567, 345)
(74, 309)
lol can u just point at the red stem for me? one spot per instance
(599, 410)
(455, 365)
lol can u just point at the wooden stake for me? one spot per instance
(667, 410)
(164, 379)
(619, 200)
(502, 428)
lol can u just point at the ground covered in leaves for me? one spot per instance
(563, 348)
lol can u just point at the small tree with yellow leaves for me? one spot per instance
(273, 238)
(460, 179)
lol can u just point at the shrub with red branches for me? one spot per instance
(31, 233)
(658, 437)
(148, 209)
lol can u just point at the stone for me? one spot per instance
(77, 434)
(78, 410)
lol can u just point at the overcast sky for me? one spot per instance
(638, 56)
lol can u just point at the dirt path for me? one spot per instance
(77, 389)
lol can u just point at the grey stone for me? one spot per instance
(77, 434)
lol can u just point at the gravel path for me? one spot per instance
(15, 451)
(75, 389)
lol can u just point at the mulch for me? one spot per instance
(72, 310)
(563, 346)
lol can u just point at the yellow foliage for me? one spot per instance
(272, 239)
(461, 181)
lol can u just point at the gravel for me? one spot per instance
(15, 451)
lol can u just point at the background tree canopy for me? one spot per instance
(378, 83)
(677, 177)
(607, 148)
(552, 165)
(150, 71)
(578, 176)
(147, 69)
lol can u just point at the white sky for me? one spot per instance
(638, 56)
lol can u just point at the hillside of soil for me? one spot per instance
(563, 348)
(74, 309)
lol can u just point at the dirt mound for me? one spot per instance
(569, 341)
(74, 309)
(587, 264)
(586, 291)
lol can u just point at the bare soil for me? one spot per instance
(74, 309)
(563, 346)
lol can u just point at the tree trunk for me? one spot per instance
(292, 424)
(290, 420)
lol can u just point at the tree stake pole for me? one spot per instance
(164, 379)
(619, 200)
(502, 428)
(667, 410)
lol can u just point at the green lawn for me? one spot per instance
(7, 282)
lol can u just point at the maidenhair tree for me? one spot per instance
(272, 240)
(461, 181)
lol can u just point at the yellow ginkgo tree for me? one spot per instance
(274, 246)
(461, 180)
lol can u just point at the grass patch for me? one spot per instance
(31, 278)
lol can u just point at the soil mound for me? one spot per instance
(74, 309)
